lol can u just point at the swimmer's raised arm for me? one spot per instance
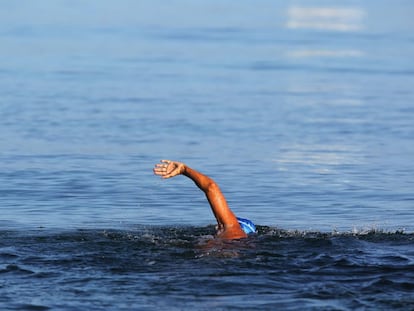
(228, 225)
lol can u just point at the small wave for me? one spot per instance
(31, 307)
(7, 255)
(384, 283)
(15, 269)
(369, 233)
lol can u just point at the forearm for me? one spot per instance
(202, 181)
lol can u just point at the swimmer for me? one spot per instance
(229, 226)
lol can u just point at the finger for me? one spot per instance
(166, 161)
(158, 172)
(170, 173)
(161, 166)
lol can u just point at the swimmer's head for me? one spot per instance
(246, 225)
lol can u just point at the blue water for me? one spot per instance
(302, 111)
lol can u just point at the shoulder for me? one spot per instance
(232, 234)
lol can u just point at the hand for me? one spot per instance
(168, 169)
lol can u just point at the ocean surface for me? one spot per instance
(302, 111)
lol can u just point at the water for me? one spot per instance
(301, 110)
(148, 268)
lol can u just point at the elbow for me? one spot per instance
(212, 188)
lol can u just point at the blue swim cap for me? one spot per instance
(247, 226)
